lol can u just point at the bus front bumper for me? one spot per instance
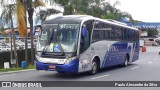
(71, 67)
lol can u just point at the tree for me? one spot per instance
(22, 7)
(42, 15)
(7, 13)
(78, 6)
(152, 32)
(113, 13)
(30, 10)
(1, 26)
(22, 24)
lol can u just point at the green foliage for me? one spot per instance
(68, 10)
(97, 8)
(7, 11)
(2, 29)
(152, 32)
(95, 11)
(61, 2)
(109, 16)
(43, 14)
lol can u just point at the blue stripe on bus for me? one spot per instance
(110, 57)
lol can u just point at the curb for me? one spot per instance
(9, 72)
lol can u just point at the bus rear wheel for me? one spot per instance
(94, 67)
(125, 64)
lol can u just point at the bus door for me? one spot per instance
(85, 49)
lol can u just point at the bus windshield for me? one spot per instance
(58, 38)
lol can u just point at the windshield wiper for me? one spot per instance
(48, 42)
(53, 39)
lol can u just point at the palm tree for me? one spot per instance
(22, 24)
(22, 7)
(42, 15)
(7, 13)
(30, 9)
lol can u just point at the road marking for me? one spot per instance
(135, 67)
(101, 76)
(7, 75)
(150, 62)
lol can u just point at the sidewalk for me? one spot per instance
(18, 71)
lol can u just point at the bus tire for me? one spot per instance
(125, 64)
(94, 67)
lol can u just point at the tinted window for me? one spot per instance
(104, 31)
(97, 32)
(97, 35)
(118, 33)
(109, 33)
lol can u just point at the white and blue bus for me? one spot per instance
(81, 43)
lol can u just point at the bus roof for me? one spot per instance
(77, 19)
(68, 18)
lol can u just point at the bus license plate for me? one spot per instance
(52, 67)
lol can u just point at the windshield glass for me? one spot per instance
(58, 38)
(45, 36)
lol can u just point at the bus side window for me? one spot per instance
(126, 35)
(118, 33)
(132, 35)
(122, 30)
(106, 32)
(112, 33)
(136, 35)
(97, 35)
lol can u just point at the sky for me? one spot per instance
(142, 10)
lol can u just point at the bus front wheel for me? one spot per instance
(94, 67)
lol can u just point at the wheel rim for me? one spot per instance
(126, 62)
(94, 68)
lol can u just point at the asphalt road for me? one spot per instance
(147, 68)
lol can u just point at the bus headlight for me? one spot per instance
(39, 53)
(70, 59)
(38, 58)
